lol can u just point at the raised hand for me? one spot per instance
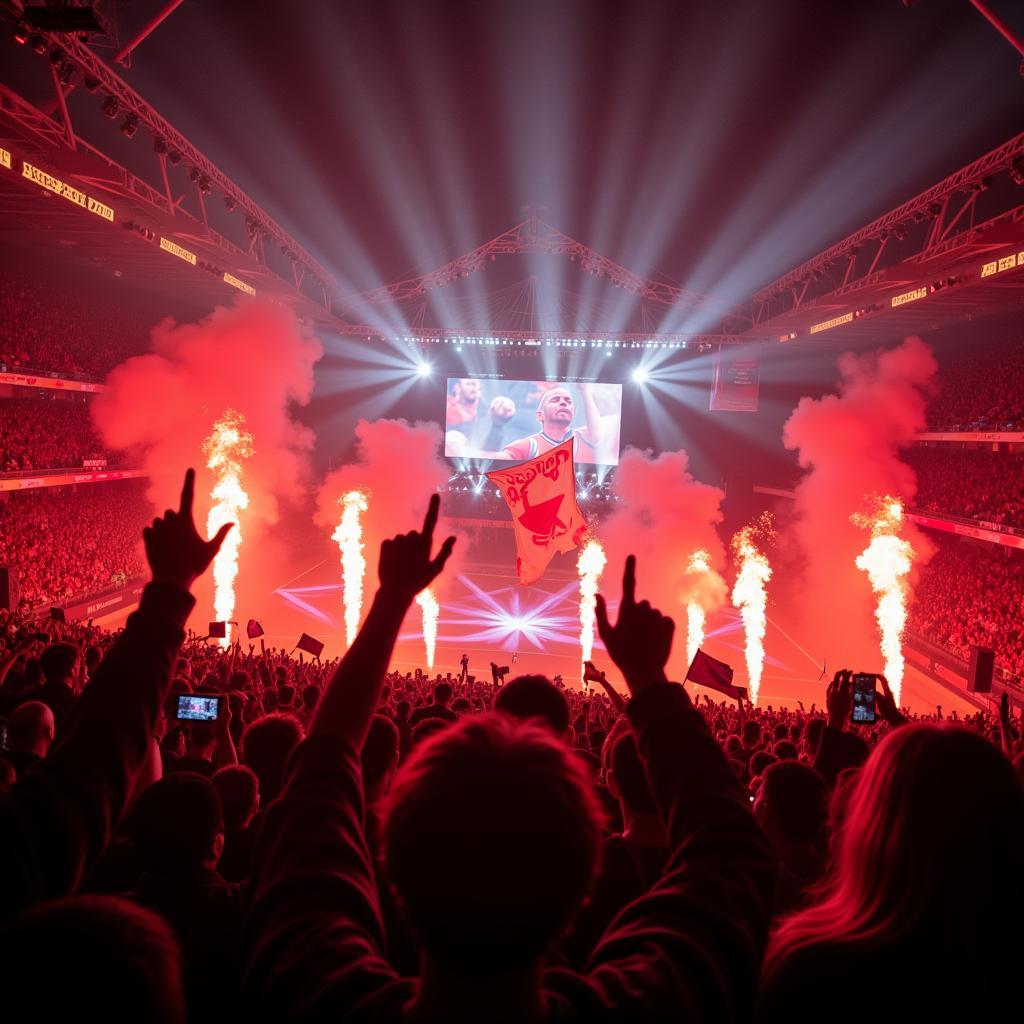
(640, 642)
(405, 566)
(886, 703)
(175, 551)
(839, 699)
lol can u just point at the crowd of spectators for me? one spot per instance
(64, 330)
(981, 387)
(340, 842)
(46, 433)
(972, 593)
(982, 485)
(63, 541)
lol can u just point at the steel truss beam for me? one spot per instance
(433, 335)
(535, 236)
(89, 63)
(948, 206)
(104, 174)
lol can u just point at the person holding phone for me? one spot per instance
(71, 804)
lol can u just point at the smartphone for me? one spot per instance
(863, 711)
(194, 707)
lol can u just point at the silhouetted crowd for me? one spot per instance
(981, 485)
(341, 842)
(40, 433)
(63, 541)
(972, 594)
(64, 329)
(981, 388)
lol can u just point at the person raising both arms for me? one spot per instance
(555, 414)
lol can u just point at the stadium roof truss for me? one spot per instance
(46, 135)
(937, 245)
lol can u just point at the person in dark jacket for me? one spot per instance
(490, 835)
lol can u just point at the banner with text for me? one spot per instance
(541, 495)
(737, 378)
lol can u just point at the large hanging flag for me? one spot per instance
(541, 495)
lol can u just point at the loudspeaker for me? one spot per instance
(979, 672)
(8, 587)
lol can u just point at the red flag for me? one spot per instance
(310, 645)
(715, 675)
(541, 494)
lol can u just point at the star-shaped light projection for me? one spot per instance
(510, 616)
(507, 616)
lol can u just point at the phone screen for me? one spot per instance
(863, 699)
(196, 708)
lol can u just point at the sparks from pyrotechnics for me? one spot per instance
(226, 447)
(590, 565)
(431, 611)
(751, 597)
(887, 561)
(699, 563)
(349, 535)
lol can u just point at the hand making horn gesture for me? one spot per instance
(175, 551)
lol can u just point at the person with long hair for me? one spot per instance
(924, 900)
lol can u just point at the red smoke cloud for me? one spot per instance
(253, 357)
(662, 516)
(399, 464)
(849, 444)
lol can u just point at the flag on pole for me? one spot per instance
(310, 645)
(541, 495)
(253, 629)
(714, 674)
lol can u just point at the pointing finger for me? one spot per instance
(601, 615)
(188, 493)
(430, 520)
(629, 582)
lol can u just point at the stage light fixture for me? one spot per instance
(639, 375)
(423, 369)
(111, 107)
(160, 146)
(1016, 170)
(130, 126)
(56, 56)
(22, 31)
(66, 74)
(174, 158)
(38, 43)
(91, 83)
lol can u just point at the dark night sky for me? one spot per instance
(715, 143)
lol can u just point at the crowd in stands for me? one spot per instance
(983, 485)
(340, 842)
(972, 593)
(62, 541)
(43, 433)
(981, 387)
(64, 329)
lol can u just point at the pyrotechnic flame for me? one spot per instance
(700, 562)
(431, 610)
(887, 560)
(349, 535)
(590, 565)
(227, 445)
(750, 596)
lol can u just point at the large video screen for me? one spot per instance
(514, 420)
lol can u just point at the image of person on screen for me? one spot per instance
(462, 416)
(555, 414)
